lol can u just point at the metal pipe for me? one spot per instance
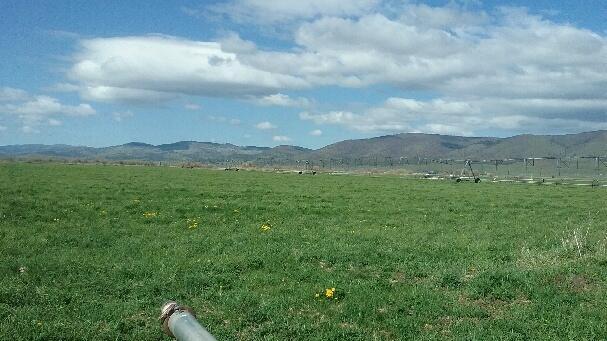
(180, 322)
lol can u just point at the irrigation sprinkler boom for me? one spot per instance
(180, 322)
(464, 177)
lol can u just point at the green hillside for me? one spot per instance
(410, 145)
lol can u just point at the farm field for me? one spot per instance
(92, 252)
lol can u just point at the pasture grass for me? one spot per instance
(91, 252)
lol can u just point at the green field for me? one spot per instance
(91, 252)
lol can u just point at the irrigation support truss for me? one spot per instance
(588, 166)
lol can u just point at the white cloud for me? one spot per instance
(223, 119)
(513, 72)
(507, 68)
(284, 11)
(151, 68)
(120, 94)
(457, 117)
(46, 105)
(8, 94)
(316, 132)
(281, 138)
(40, 110)
(54, 123)
(265, 126)
(119, 116)
(192, 106)
(29, 130)
(283, 100)
(333, 117)
(64, 87)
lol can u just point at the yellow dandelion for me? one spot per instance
(192, 223)
(151, 214)
(265, 227)
(330, 292)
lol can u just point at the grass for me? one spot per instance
(91, 252)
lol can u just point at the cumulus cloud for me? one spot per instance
(265, 126)
(161, 67)
(8, 94)
(102, 93)
(45, 105)
(514, 71)
(281, 138)
(283, 100)
(506, 68)
(283, 11)
(35, 111)
(316, 132)
(457, 117)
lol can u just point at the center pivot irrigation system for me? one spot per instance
(464, 176)
(568, 168)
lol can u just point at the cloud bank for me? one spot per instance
(507, 70)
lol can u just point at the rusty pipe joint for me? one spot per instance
(180, 323)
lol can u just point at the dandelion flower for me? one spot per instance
(330, 292)
(150, 214)
(192, 223)
(265, 227)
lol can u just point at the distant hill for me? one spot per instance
(458, 147)
(409, 145)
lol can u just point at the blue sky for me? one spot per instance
(307, 72)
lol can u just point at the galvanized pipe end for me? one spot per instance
(165, 314)
(167, 310)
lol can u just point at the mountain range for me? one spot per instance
(410, 145)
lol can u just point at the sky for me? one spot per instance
(299, 72)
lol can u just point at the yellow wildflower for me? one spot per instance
(151, 214)
(265, 227)
(330, 292)
(192, 223)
